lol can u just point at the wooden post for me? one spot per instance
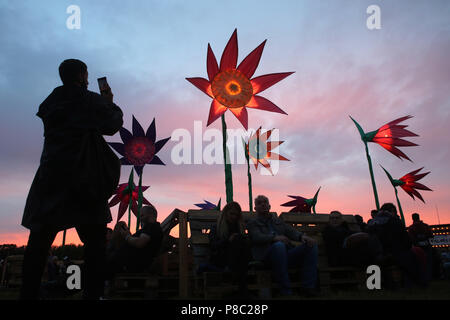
(183, 253)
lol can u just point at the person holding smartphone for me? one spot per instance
(69, 190)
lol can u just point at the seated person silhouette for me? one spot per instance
(272, 243)
(230, 246)
(334, 235)
(396, 245)
(135, 253)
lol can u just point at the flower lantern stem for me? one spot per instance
(249, 175)
(374, 186)
(64, 238)
(140, 200)
(226, 158)
(129, 213)
(130, 192)
(400, 207)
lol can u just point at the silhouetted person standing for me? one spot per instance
(421, 234)
(77, 174)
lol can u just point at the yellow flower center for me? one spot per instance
(232, 88)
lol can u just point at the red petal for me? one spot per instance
(266, 135)
(273, 144)
(421, 186)
(211, 64)
(394, 124)
(276, 156)
(230, 53)
(202, 84)
(134, 208)
(261, 83)
(250, 63)
(256, 134)
(396, 121)
(242, 115)
(395, 132)
(396, 152)
(420, 176)
(255, 162)
(394, 141)
(411, 174)
(122, 208)
(290, 203)
(418, 195)
(114, 201)
(215, 111)
(258, 102)
(408, 190)
(266, 165)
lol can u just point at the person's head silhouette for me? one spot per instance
(74, 72)
(415, 217)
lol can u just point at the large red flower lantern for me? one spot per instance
(233, 88)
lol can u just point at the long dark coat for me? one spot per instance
(55, 198)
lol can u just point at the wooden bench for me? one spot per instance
(12, 271)
(313, 225)
(211, 285)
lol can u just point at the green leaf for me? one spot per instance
(368, 137)
(389, 175)
(361, 131)
(315, 196)
(219, 204)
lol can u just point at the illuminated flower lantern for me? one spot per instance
(389, 137)
(301, 204)
(410, 185)
(208, 205)
(139, 148)
(123, 195)
(232, 88)
(259, 149)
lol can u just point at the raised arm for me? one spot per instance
(108, 116)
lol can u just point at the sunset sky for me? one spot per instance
(147, 49)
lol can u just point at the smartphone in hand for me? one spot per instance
(105, 89)
(103, 85)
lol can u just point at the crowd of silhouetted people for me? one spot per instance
(75, 121)
(266, 241)
(383, 241)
